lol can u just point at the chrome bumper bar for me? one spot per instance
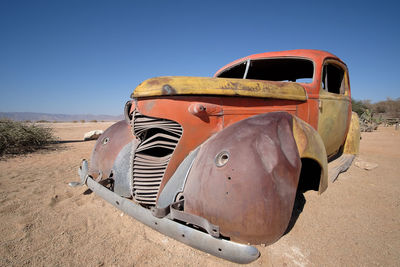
(221, 248)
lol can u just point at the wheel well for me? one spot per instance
(310, 175)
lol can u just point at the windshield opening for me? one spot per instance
(275, 69)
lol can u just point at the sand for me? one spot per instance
(356, 222)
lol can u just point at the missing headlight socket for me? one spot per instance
(222, 158)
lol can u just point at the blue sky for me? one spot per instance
(80, 57)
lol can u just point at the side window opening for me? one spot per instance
(333, 79)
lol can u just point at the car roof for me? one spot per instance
(312, 54)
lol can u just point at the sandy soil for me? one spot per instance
(356, 222)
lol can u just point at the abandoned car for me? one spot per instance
(216, 162)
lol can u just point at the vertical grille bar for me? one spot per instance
(158, 140)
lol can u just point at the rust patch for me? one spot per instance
(148, 106)
(168, 90)
(158, 81)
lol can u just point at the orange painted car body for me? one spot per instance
(222, 111)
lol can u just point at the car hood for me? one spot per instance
(181, 85)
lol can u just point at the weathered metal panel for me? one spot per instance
(121, 170)
(175, 185)
(310, 145)
(333, 120)
(352, 144)
(107, 148)
(174, 85)
(244, 179)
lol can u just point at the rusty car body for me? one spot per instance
(215, 162)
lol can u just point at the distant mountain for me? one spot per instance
(31, 116)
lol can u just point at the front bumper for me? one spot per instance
(221, 248)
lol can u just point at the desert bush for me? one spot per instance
(75, 121)
(367, 122)
(359, 106)
(43, 121)
(82, 121)
(391, 107)
(18, 137)
(373, 114)
(93, 121)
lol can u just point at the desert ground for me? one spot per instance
(44, 222)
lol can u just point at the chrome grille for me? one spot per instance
(158, 140)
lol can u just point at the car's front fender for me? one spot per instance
(244, 179)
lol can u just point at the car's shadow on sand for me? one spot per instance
(298, 207)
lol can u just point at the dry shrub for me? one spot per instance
(391, 107)
(359, 106)
(19, 138)
(373, 114)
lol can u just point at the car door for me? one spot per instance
(334, 104)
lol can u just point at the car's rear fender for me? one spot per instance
(352, 143)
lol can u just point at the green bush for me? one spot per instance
(19, 138)
(358, 106)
